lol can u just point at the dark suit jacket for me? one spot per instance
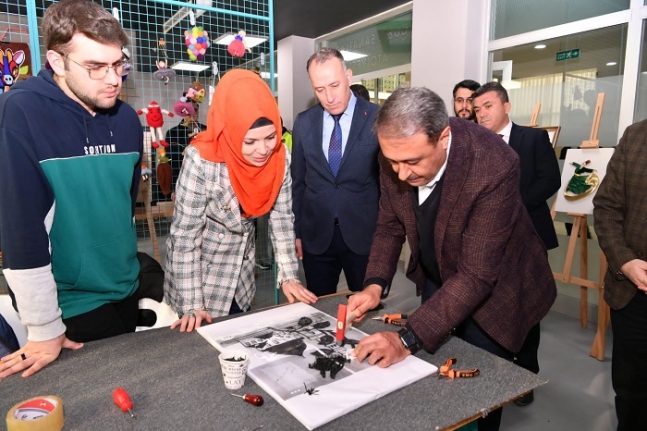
(493, 264)
(540, 177)
(620, 211)
(316, 192)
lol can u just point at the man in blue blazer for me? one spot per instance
(540, 179)
(335, 178)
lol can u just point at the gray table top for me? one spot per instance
(175, 383)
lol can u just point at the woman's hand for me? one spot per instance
(295, 291)
(188, 323)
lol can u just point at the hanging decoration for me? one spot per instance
(238, 46)
(155, 121)
(196, 92)
(14, 64)
(164, 172)
(196, 40)
(15, 60)
(183, 107)
(163, 72)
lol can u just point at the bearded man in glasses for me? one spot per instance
(70, 157)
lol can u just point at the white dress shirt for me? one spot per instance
(425, 191)
(506, 132)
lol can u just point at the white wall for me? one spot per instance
(448, 44)
(294, 89)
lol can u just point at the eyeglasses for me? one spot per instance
(98, 72)
(460, 100)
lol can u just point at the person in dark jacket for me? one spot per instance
(70, 162)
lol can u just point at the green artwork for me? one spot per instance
(583, 182)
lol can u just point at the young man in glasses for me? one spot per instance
(70, 155)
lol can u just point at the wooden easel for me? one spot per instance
(580, 229)
(535, 116)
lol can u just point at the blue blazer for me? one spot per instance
(540, 177)
(317, 194)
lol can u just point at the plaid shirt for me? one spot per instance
(211, 249)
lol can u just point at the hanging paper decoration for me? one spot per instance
(196, 40)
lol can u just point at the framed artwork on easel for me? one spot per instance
(553, 133)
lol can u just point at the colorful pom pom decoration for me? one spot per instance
(197, 42)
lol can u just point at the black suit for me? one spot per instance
(540, 177)
(318, 194)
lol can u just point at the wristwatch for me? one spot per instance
(409, 340)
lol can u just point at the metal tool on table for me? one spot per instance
(255, 400)
(397, 319)
(447, 371)
(122, 399)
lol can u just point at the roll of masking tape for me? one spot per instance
(36, 414)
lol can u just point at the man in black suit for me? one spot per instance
(540, 179)
(335, 178)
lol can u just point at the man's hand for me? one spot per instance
(366, 300)
(188, 323)
(299, 247)
(383, 349)
(37, 354)
(636, 271)
(295, 291)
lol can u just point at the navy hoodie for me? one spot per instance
(68, 186)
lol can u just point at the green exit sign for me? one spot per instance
(567, 55)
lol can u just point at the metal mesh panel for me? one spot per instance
(157, 33)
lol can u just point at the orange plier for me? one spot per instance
(447, 371)
(397, 319)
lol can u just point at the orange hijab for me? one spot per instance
(240, 99)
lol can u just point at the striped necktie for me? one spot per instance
(334, 149)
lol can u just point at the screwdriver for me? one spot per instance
(397, 319)
(121, 398)
(255, 400)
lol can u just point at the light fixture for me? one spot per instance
(540, 46)
(183, 12)
(611, 63)
(250, 40)
(266, 75)
(190, 67)
(350, 56)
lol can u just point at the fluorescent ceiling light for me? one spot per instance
(266, 75)
(191, 67)
(250, 40)
(540, 46)
(350, 56)
(611, 63)
(184, 12)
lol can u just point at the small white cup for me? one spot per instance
(234, 365)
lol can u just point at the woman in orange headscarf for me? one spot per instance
(234, 172)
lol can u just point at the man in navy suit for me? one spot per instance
(335, 178)
(540, 179)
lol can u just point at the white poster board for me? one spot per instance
(599, 158)
(284, 341)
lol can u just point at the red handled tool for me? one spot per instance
(122, 399)
(255, 400)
